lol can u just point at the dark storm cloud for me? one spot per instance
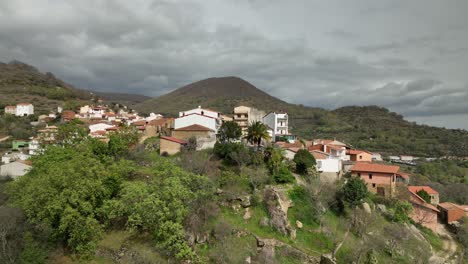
(303, 52)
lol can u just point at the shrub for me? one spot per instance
(283, 175)
(355, 191)
(304, 160)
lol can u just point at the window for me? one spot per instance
(370, 176)
(359, 175)
(360, 156)
(373, 185)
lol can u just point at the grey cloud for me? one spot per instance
(151, 47)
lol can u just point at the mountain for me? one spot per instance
(220, 93)
(122, 98)
(20, 82)
(369, 127)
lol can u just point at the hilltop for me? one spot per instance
(370, 127)
(20, 82)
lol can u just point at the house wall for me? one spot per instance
(205, 139)
(379, 180)
(329, 165)
(451, 215)
(424, 216)
(289, 154)
(24, 110)
(363, 156)
(196, 119)
(169, 147)
(14, 170)
(97, 127)
(200, 111)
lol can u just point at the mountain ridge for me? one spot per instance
(370, 127)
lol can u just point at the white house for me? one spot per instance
(153, 116)
(24, 109)
(14, 170)
(197, 119)
(85, 109)
(376, 156)
(279, 123)
(328, 166)
(99, 127)
(406, 158)
(201, 111)
(10, 109)
(393, 158)
(34, 146)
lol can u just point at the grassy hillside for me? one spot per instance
(20, 82)
(370, 127)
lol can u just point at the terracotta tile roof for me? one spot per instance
(295, 150)
(416, 189)
(450, 206)
(286, 145)
(173, 139)
(99, 132)
(160, 122)
(139, 123)
(319, 154)
(10, 107)
(374, 167)
(26, 162)
(404, 175)
(114, 128)
(356, 151)
(335, 147)
(194, 127)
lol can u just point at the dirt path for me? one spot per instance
(450, 248)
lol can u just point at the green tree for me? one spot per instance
(71, 133)
(304, 160)
(273, 159)
(256, 132)
(423, 194)
(283, 175)
(402, 211)
(64, 191)
(229, 131)
(355, 191)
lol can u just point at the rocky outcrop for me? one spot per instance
(278, 210)
(268, 248)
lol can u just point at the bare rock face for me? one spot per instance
(366, 208)
(264, 221)
(277, 209)
(327, 259)
(247, 214)
(299, 224)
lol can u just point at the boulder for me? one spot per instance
(327, 259)
(264, 221)
(277, 209)
(247, 214)
(248, 260)
(366, 208)
(245, 201)
(299, 224)
(382, 208)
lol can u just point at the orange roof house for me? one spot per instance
(450, 212)
(359, 155)
(170, 145)
(380, 178)
(423, 213)
(433, 193)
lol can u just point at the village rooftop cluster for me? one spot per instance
(333, 158)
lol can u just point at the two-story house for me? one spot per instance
(279, 124)
(380, 179)
(244, 116)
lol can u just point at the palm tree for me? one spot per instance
(256, 132)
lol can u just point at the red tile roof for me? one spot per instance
(356, 151)
(374, 167)
(173, 139)
(194, 127)
(450, 206)
(404, 175)
(319, 154)
(416, 189)
(139, 123)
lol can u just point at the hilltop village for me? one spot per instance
(201, 129)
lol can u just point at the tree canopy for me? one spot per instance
(229, 131)
(304, 160)
(256, 132)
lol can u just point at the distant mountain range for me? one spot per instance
(369, 127)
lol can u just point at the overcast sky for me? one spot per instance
(409, 56)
